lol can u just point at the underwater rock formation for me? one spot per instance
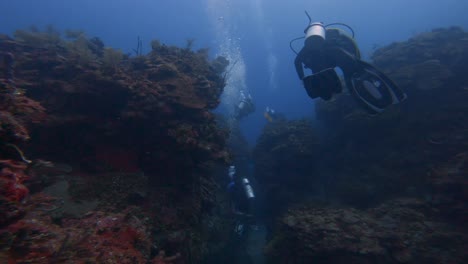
(399, 231)
(378, 155)
(394, 184)
(428, 61)
(17, 113)
(284, 158)
(100, 237)
(138, 132)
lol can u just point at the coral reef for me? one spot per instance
(402, 145)
(401, 175)
(284, 158)
(428, 61)
(449, 186)
(12, 190)
(399, 231)
(17, 114)
(98, 237)
(138, 133)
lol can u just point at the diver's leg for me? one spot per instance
(344, 60)
(322, 84)
(311, 85)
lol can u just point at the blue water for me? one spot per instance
(255, 33)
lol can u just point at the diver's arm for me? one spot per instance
(298, 64)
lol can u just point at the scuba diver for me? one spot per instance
(269, 114)
(244, 107)
(242, 199)
(325, 49)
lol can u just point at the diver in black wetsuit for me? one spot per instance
(327, 48)
(242, 199)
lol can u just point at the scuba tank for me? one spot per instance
(243, 100)
(315, 35)
(248, 188)
(231, 171)
(231, 174)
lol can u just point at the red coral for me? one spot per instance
(11, 128)
(12, 176)
(113, 238)
(28, 110)
(16, 111)
(100, 237)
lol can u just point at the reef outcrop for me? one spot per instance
(396, 152)
(285, 162)
(118, 132)
(398, 231)
(408, 164)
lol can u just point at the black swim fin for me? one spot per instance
(323, 84)
(373, 90)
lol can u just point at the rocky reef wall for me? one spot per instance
(394, 187)
(121, 149)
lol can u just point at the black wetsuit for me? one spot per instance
(336, 51)
(330, 56)
(241, 204)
